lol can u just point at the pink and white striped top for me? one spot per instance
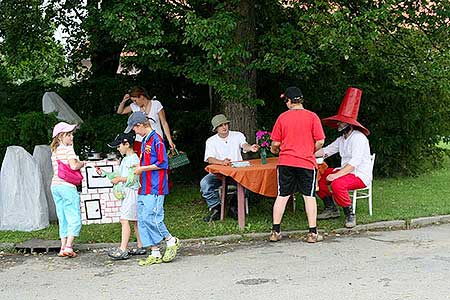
(62, 153)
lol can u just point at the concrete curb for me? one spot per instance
(426, 221)
(384, 225)
(7, 247)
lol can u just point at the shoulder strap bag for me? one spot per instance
(66, 173)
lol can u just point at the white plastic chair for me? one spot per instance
(364, 192)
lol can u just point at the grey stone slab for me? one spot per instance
(43, 157)
(23, 205)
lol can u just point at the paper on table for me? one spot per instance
(240, 164)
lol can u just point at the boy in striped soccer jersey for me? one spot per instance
(154, 187)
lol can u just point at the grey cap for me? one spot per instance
(135, 118)
(218, 120)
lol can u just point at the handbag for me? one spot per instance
(118, 191)
(66, 173)
(177, 159)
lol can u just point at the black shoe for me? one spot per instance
(350, 219)
(328, 213)
(214, 214)
(233, 212)
(329, 203)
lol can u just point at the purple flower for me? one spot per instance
(263, 138)
(260, 134)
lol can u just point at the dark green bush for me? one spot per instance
(26, 130)
(23, 98)
(98, 97)
(97, 132)
(191, 129)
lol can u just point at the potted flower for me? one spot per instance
(264, 142)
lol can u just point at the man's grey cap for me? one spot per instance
(135, 118)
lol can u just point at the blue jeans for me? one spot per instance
(67, 203)
(208, 187)
(150, 210)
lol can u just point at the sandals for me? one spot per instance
(137, 251)
(61, 252)
(68, 252)
(118, 254)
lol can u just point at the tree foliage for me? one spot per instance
(396, 52)
(28, 50)
(245, 52)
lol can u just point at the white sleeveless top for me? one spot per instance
(153, 114)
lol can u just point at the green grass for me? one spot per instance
(396, 198)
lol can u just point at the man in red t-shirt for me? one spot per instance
(296, 135)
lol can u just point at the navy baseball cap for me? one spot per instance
(122, 138)
(293, 93)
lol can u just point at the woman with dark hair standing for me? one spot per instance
(154, 110)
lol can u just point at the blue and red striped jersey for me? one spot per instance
(153, 152)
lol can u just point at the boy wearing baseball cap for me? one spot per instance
(296, 135)
(154, 186)
(128, 209)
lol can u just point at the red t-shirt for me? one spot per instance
(297, 130)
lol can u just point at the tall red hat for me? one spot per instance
(348, 111)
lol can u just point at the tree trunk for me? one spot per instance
(243, 116)
(243, 119)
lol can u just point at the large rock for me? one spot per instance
(52, 102)
(43, 157)
(23, 205)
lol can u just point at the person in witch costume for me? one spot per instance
(355, 171)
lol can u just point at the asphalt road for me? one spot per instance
(409, 264)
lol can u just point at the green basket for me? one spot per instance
(177, 159)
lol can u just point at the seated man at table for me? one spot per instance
(221, 149)
(356, 167)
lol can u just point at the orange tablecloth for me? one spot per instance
(258, 178)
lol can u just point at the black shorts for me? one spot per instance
(295, 179)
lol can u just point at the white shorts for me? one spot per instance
(128, 209)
